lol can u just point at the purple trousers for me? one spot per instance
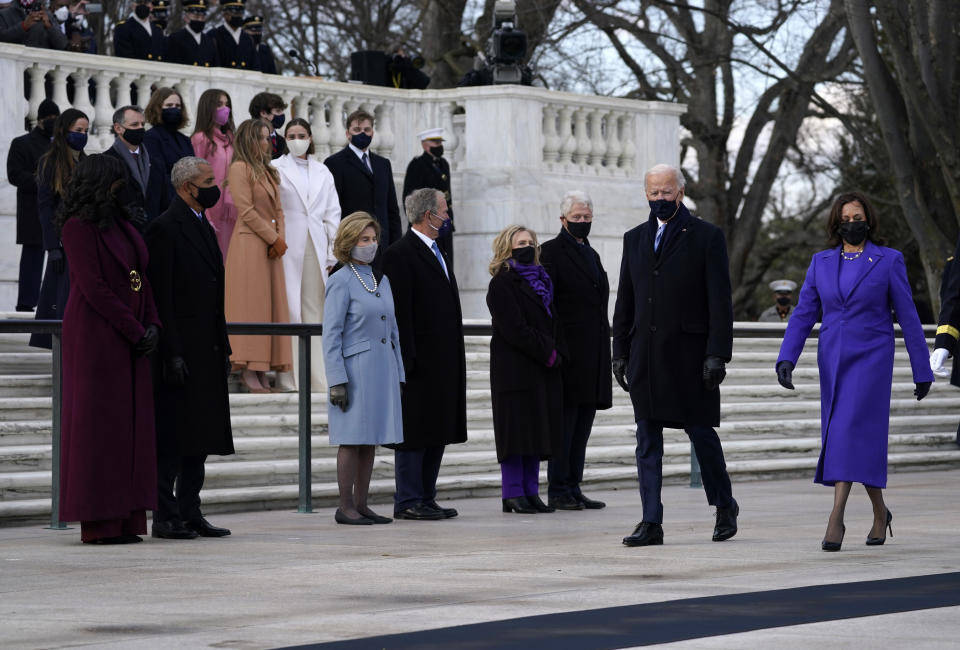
(520, 476)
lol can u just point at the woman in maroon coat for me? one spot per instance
(110, 326)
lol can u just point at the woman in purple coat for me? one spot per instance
(108, 477)
(855, 284)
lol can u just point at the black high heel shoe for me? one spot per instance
(878, 541)
(833, 546)
(539, 505)
(519, 505)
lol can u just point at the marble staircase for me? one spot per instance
(766, 432)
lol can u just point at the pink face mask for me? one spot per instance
(221, 115)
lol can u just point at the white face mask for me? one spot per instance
(298, 147)
(364, 254)
(62, 14)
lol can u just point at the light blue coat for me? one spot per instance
(361, 348)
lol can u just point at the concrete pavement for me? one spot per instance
(284, 578)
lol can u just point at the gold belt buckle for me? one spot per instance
(135, 282)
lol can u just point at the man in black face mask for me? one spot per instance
(22, 159)
(235, 48)
(193, 360)
(672, 335)
(253, 26)
(270, 108)
(190, 45)
(138, 37)
(783, 296)
(129, 129)
(582, 293)
(432, 170)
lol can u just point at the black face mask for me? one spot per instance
(134, 136)
(523, 255)
(853, 232)
(207, 197)
(236, 22)
(579, 229)
(437, 151)
(278, 120)
(197, 26)
(663, 209)
(141, 11)
(46, 127)
(783, 300)
(361, 141)
(171, 116)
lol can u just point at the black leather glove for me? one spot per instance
(338, 396)
(923, 387)
(619, 367)
(175, 371)
(785, 374)
(148, 342)
(714, 370)
(57, 260)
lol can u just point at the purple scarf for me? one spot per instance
(538, 279)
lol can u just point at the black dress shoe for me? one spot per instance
(878, 541)
(590, 504)
(539, 505)
(374, 517)
(565, 503)
(448, 513)
(419, 512)
(833, 547)
(726, 522)
(341, 518)
(646, 533)
(520, 505)
(205, 529)
(173, 529)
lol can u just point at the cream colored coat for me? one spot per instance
(255, 287)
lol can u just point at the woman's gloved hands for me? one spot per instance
(338, 396)
(785, 374)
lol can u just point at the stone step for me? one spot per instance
(25, 363)
(26, 385)
(16, 343)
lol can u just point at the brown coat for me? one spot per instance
(255, 287)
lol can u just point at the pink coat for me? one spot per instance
(223, 215)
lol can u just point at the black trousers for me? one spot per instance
(713, 468)
(565, 469)
(187, 472)
(416, 476)
(31, 273)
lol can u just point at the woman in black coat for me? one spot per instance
(524, 358)
(166, 145)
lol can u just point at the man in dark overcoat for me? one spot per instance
(431, 169)
(364, 180)
(581, 295)
(234, 46)
(191, 45)
(137, 37)
(672, 336)
(22, 161)
(427, 304)
(191, 369)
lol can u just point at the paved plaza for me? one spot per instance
(288, 579)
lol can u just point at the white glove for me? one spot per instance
(937, 359)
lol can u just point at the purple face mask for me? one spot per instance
(221, 115)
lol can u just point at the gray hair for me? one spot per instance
(419, 202)
(574, 198)
(119, 113)
(185, 170)
(663, 169)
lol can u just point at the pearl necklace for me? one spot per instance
(843, 254)
(357, 273)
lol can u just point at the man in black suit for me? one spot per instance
(190, 45)
(253, 26)
(234, 47)
(128, 148)
(137, 37)
(22, 161)
(581, 294)
(191, 369)
(672, 336)
(364, 180)
(270, 108)
(427, 304)
(432, 170)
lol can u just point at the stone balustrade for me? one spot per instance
(513, 150)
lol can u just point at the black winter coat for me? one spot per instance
(165, 147)
(241, 56)
(375, 193)
(582, 301)
(22, 160)
(427, 306)
(527, 395)
(186, 273)
(131, 41)
(426, 171)
(265, 60)
(673, 310)
(183, 48)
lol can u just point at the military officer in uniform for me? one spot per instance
(431, 170)
(253, 26)
(160, 14)
(948, 325)
(234, 46)
(783, 295)
(137, 37)
(190, 45)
